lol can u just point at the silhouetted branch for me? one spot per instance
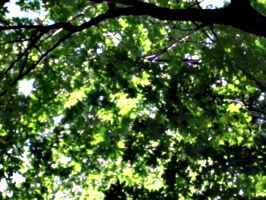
(238, 14)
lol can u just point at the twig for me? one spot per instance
(173, 44)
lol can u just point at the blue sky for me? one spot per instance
(14, 11)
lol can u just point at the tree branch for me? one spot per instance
(238, 15)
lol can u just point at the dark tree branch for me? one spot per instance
(34, 39)
(242, 16)
(238, 14)
(3, 2)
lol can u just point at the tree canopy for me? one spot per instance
(133, 99)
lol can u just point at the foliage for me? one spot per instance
(129, 107)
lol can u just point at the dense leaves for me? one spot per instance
(125, 105)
